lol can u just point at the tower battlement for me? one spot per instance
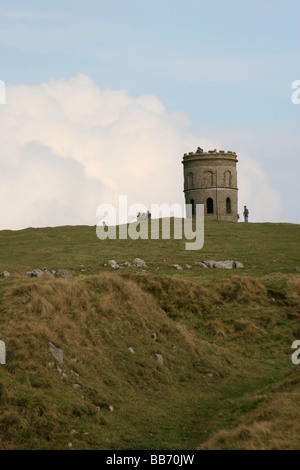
(210, 152)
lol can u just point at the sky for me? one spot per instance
(103, 98)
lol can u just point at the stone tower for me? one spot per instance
(210, 178)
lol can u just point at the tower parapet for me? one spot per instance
(210, 178)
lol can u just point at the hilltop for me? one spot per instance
(151, 357)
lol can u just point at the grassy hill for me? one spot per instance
(153, 358)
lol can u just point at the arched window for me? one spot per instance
(228, 205)
(227, 180)
(189, 182)
(208, 178)
(209, 206)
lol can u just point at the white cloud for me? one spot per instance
(68, 146)
(255, 191)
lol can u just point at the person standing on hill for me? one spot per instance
(246, 214)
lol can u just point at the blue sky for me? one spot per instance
(228, 66)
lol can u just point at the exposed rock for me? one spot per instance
(35, 273)
(131, 350)
(224, 264)
(238, 265)
(227, 264)
(62, 273)
(2, 353)
(76, 385)
(188, 266)
(127, 264)
(111, 408)
(175, 349)
(61, 371)
(176, 266)
(46, 271)
(200, 264)
(159, 358)
(113, 264)
(209, 263)
(40, 272)
(56, 352)
(138, 262)
(6, 274)
(298, 269)
(154, 335)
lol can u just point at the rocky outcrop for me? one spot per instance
(139, 262)
(39, 272)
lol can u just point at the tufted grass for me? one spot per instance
(227, 380)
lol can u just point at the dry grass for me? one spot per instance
(244, 290)
(274, 425)
(219, 348)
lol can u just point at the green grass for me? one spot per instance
(227, 380)
(263, 248)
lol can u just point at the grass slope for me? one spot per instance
(227, 380)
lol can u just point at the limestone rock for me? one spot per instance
(2, 353)
(209, 263)
(159, 358)
(46, 271)
(35, 273)
(154, 335)
(56, 352)
(6, 274)
(224, 264)
(139, 262)
(176, 266)
(200, 264)
(227, 264)
(188, 266)
(113, 264)
(62, 273)
(238, 265)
